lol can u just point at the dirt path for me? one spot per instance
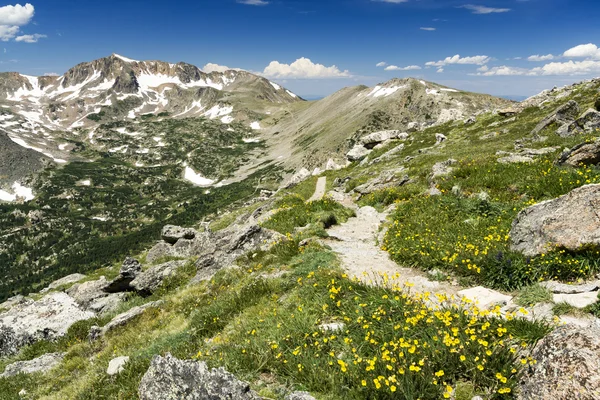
(320, 189)
(355, 242)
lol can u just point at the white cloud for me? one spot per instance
(427, 29)
(17, 15)
(391, 1)
(483, 9)
(51, 74)
(440, 70)
(303, 68)
(538, 57)
(381, 64)
(504, 71)
(8, 32)
(30, 38)
(253, 2)
(457, 59)
(589, 50)
(396, 68)
(12, 18)
(483, 68)
(569, 68)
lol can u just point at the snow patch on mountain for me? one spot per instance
(192, 176)
(19, 192)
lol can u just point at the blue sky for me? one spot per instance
(343, 39)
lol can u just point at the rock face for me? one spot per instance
(570, 222)
(568, 366)
(442, 168)
(32, 321)
(41, 364)
(169, 378)
(298, 177)
(582, 154)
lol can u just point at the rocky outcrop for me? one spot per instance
(442, 168)
(148, 281)
(589, 122)
(524, 155)
(583, 154)
(568, 366)
(171, 234)
(563, 116)
(387, 180)
(38, 365)
(376, 138)
(46, 319)
(212, 250)
(299, 396)
(570, 222)
(485, 298)
(170, 378)
(130, 269)
(92, 297)
(298, 177)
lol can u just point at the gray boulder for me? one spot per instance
(442, 168)
(582, 154)
(377, 138)
(388, 155)
(439, 138)
(117, 365)
(169, 378)
(171, 233)
(148, 281)
(568, 366)
(357, 153)
(563, 115)
(182, 248)
(387, 180)
(589, 122)
(298, 177)
(38, 365)
(570, 222)
(92, 297)
(46, 319)
(129, 270)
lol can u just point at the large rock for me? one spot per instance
(46, 319)
(148, 281)
(41, 364)
(563, 115)
(298, 177)
(388, 155)
(570, 222)
(92, 297)
(183, 248)
(589, 122)
(387, 180)
(171, 233)
(582, 154)
(567, 368)
(376, 138)
(442, 168)
(357, 153)
(169, 378)
(117, 365)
